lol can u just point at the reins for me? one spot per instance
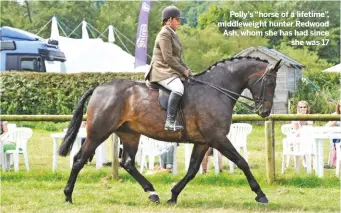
(230, 93)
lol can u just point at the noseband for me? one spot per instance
(259, 100)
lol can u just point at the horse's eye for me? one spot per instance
(271, 81)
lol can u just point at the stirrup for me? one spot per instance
(171, 126)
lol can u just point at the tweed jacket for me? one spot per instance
(166, 61)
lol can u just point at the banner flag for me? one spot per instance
(142, 35)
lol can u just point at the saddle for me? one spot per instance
(164, 94)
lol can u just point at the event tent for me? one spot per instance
(93, 54)
(336, 68)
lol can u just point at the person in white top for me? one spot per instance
(302, 108)
(337, 112)
(3, 127)
(335, 140)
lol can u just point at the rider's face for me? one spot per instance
(175, 23)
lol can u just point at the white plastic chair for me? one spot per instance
(149, 147)
(19, 137)
(330, 155)
(289, 132)
(3, 140)
(11, 127)
(100, 152)
(238, 137)
(331, 147)
(297, 147)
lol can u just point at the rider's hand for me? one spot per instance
(187, 73)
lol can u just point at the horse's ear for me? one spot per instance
(277, 66)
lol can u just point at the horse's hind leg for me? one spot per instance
(130, 146)
(84, 154)
(225, 147)
(198, 153)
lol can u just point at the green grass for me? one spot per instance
(40, 190)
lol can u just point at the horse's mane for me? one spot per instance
(232, 59)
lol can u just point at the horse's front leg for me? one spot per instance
(198, 153)
(225, 147)
(128, 163)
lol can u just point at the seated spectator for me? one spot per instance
(302, 108)
(335, 140)
(167, 150)
(337, 112)
(204, 163)
(3, 127)
(167, 159)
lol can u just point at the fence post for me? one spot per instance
(269, 146)
(115, 156)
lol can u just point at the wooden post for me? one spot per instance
(273, 148)
(114, 156)
(269, 146)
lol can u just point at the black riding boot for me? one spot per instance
(173, 103)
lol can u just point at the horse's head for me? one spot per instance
(262, 85)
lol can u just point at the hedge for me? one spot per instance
(28, 93)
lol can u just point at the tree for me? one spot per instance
(201, 52)
(220, 11)
(33, 16)
(12, 15)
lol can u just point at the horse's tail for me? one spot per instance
(74, 125)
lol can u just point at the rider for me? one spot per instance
(167, 67)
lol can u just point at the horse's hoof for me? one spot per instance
(68, 200)
(262, 199)
(154, 198)
(171, 202)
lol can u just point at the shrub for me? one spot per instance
(49, 93)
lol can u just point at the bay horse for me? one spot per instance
(129, 109)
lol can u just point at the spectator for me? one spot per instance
(335, 140)
(167, 158)
(337, 112)
(302, 108)
(3, 127)
(204, 162)
(167, 150)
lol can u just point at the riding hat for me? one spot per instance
(170, 12)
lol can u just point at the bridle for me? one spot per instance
(258, 100)
(261, 99)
